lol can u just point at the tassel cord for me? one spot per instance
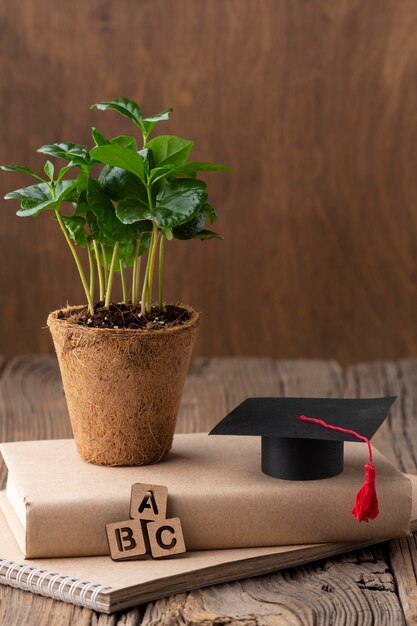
(366, 506)
(346, 431)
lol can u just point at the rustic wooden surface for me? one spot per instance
(374, 586)
(313, 103)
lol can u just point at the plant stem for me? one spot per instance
(135, 280)
(146, 305)
(122, 278)
(143, 304)
(161, 273)
(138, 264)
(145, 291)
(99, 270)
(91, 270)
(152, 265)
(106, 274)
(111, 275)
(77, 262)
(134, 294)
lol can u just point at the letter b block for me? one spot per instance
(165, 537)
(125, 540)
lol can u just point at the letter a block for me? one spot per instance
(165, 537)
(148, 502)
(125, 539)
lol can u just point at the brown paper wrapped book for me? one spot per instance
(216, 488)
(107, 586)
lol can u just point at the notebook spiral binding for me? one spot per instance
(51, 585)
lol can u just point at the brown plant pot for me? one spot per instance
(123, 386)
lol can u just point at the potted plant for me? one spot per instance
(123, 364)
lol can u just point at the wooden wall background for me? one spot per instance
(314, 103)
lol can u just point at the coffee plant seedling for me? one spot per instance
(142, 197)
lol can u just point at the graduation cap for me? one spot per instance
(302, 438)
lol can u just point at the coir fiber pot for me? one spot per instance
(123, 386)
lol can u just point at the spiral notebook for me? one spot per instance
(107, 586)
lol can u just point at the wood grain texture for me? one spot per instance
(397, 438)
(358, 588)
(313, 103)
(403, 556)
(352, 589)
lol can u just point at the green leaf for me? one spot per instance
(71, 152)
(207, 234)
(130, 211)
(127, 253)
(194, 229)
(131, 110)
(210, 212)
(149, 123)
(26, 210)
(94, 227)
(168, 233)
(33, 199)
(35, 193)
(161, 172)
(98, 138)
(148, 161)
(179, 202)
(118, 156)
(28, 204)
(124, 106)
(81, 163)
(64, 150)
(66, 190)
(189, 169)
(127, 141)
(103, 209)
(139, 228)
(75, 227)
(81, 207)
(49, 170)
(159, 117)
(62, 172)
(145, 243)
(120, 184)
(168, 149)
(190, 228)
(186, 170)
(23, 169)
(82, 180)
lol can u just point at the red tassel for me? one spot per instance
(366, 506)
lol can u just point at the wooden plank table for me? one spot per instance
(373, 586)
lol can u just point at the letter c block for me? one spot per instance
(165, 537)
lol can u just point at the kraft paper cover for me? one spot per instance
(130, 583)
(215, 486)
(134, 582)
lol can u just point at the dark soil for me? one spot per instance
(128, 316)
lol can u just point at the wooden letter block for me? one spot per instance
(125, 539)
(165, 537)
(148, 502)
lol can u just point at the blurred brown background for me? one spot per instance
(313, 103)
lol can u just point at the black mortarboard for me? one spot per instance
(293, 446)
